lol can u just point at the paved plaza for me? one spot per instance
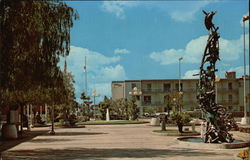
(101, 142)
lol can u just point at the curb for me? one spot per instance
(213, 146)
(176, 134)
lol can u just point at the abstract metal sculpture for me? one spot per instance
(218, 120)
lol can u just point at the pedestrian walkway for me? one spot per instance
(101, 142)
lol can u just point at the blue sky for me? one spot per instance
(126, 40)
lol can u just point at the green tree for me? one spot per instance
(180, 119)
(34, 34)
(87, 102)
(120, 108)
(67, 100)
(173, 101)
(133, 110)
(106, 103)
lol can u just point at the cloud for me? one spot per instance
(104, 89)
(94, 59)
(121, 51)
(189, 74)
(118, 7)
(167, 56)
(101, 70)
(193, 51)
(111, 73)
(180, 16)
(184, 12)
(187, 13)
(239, 70)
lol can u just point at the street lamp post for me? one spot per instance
(181, 58)
(180, 93)
(52, 132)
(217, 79)
(245, 119)
(135, 92)
(94, 96)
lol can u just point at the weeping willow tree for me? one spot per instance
(33, 37)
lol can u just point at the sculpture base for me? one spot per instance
(52, 132)
(197, 143)
(245, 121)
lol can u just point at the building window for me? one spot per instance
(230, 98)
(149, 87)
(166, 99)
(239, 84)
(133, 85)
(177, 86)
(230, 86)
(117, 85)
(230, 108)
(147, 99)
(241, 108)
(167, 87)
(138, 98)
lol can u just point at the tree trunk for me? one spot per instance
(22, 114)
(180, 127)
(163, 125)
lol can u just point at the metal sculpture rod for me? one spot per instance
(218, 120)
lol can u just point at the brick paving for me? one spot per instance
(101, 142)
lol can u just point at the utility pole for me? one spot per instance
(180, 93)
(86, 81)
(94, 95)
(245, 119)
(181, 58)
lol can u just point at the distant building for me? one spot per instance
(151, 94)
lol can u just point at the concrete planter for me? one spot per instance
(212, 145)
(9, 131)
(155, 122)
(177, 134)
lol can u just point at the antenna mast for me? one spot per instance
(85, 70)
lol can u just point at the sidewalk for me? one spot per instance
(134, 141)
(26, 136)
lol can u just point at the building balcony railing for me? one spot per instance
(228, 101)
(163, 103)
(149, 103)
(227, 90)
(163, 90)
(190, 102)
(186, 90)
(156, 90)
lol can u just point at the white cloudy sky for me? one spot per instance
(126, 40)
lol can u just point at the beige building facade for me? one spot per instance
(151, 94)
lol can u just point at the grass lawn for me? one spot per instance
(111, 122)
(173, 132)
(167, 131)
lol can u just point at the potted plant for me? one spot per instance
(180, 119)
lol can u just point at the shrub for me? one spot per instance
(72, 119)
(180, 119)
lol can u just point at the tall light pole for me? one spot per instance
(181, 58)
(135, 92)
(245, 119)
(86, 79)
(94, 95)
(180, 93)
(52, 131)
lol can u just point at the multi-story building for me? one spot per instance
(151, 94)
